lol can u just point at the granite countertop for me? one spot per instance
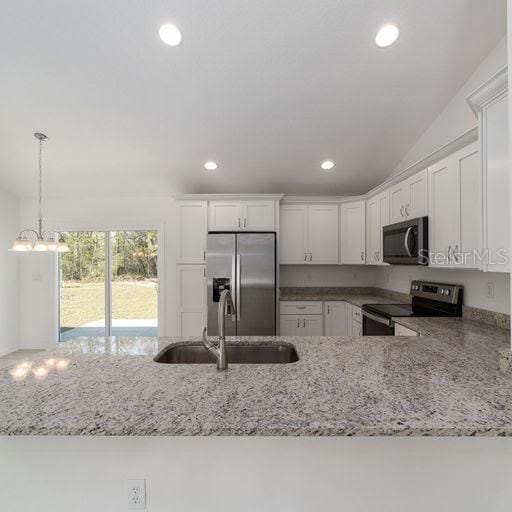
(452, 327)
(352, 297)
(342, 386)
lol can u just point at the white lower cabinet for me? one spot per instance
(191, 299)
(301, 319)
(357, 321)
(338, 316)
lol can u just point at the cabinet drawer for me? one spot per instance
(357, 316)
(300, 308)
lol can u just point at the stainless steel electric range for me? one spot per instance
(428, 299)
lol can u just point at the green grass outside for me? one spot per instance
(82, 303)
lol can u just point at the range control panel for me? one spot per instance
(451, 293)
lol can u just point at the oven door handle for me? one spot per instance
(406, 242)
(379, 319)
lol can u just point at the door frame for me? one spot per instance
(159, 227)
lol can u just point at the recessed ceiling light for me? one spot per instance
(210, 166)
(170, 34)
(327, 165)
(386, 36)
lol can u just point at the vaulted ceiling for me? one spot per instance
(267, 88)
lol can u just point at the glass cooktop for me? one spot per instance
(390, 310)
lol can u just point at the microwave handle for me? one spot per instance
(406, 241)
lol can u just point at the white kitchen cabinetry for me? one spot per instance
(293, 240)
(338, 318)
(490, 103)
(357, 321)
(309, 234)
(301, 319)
(250, 215)
(455, 209)
(377, 216)
(323, 232)
(408, 199)
(192, 231)
(191, 299)
(353, 233)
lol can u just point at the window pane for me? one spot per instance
(82, 285)
(134, 283)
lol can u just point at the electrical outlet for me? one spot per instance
(136, 497)
(490, 290)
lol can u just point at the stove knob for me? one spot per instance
(447, 292)
(442, 291)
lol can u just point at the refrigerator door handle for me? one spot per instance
(234, 295)
(238, 295)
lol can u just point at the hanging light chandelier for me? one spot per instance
(44, 241)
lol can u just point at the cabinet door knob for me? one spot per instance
(310, 256)
(305, 256)
(245, 223)
(407, 210)
(239, 223)
(402, 210)
(362, 255)
(304, 323)
(204, 255)
(298, 322)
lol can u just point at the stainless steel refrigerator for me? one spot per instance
(244, 263)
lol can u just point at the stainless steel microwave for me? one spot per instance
(406, 243)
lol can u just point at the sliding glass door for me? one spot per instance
(108, 284)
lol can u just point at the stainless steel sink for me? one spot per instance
(262, 353)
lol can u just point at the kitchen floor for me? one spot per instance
(17, 357)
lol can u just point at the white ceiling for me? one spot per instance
(266, 88)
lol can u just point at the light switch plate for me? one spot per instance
(136, 494)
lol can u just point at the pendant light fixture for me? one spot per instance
(45, 241)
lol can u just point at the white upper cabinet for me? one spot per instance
(454, 210)
(490, 103)
(323, 230)
(377, 216)
(308, 234)
(408, 199)
(293, 243)
(192, 231)
(352, 233)
(225, 216)
(258, 215)
(416, 195)
(444, 211)
(251, 215)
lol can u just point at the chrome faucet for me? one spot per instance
(226, 307)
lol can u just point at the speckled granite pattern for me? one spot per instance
(500, 320)
(346, 386)
(454, 328)
(505, 360)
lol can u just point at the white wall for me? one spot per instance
(398, 278)
(9, 226)
(456, 118)
(38, 279)
(326, 275)
(257, 474)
